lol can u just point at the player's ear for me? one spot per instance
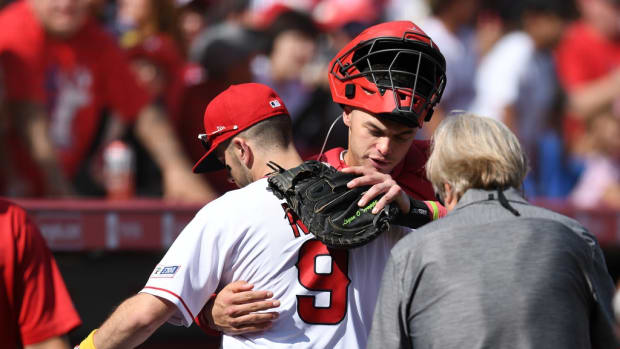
(346, 115)
(244, 151)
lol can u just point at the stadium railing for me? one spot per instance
(151, 225)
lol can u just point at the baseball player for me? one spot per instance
(388, 80)
(247, 234)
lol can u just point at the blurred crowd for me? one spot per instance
(93, 88)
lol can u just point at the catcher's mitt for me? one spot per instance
(318, 194)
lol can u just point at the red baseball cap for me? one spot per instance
(232, 111)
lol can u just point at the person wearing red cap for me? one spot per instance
(250, 234)
(388, 80)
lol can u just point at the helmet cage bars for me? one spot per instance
(411, 67)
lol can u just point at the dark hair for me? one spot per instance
(221, 9)
(438, 6)
(561, 8)
(291, 20)
(167, 20)
(512, 11)
(274, 131)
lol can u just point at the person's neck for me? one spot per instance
(348, 158)
(287, 158)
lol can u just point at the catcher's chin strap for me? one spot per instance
(318, 158)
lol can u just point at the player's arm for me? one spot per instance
(414, 213)
(234, 310)
(158, 137)
(131, 323)
(60, 342)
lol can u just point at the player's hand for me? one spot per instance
(234, 309)
(381, 183)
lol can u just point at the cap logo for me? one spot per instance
(274, 103)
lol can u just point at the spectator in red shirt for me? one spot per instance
(76, 71)
(588, 60)
(149, 31)
(35, 308)
(11, 183)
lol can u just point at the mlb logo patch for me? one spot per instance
(274, 103)
(165, 271)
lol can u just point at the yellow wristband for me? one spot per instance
(89, 342)
(435, 209)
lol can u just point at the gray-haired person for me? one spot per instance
(496, 272)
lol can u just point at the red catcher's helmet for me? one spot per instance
(392, 70)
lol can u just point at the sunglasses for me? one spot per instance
(207, 138)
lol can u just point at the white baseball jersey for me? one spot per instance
(327, 297)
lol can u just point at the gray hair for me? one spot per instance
(470, 151)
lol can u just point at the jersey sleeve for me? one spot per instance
(46, 310)
(190, 271)
(121, 88)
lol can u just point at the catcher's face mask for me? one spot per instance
(393, 70)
